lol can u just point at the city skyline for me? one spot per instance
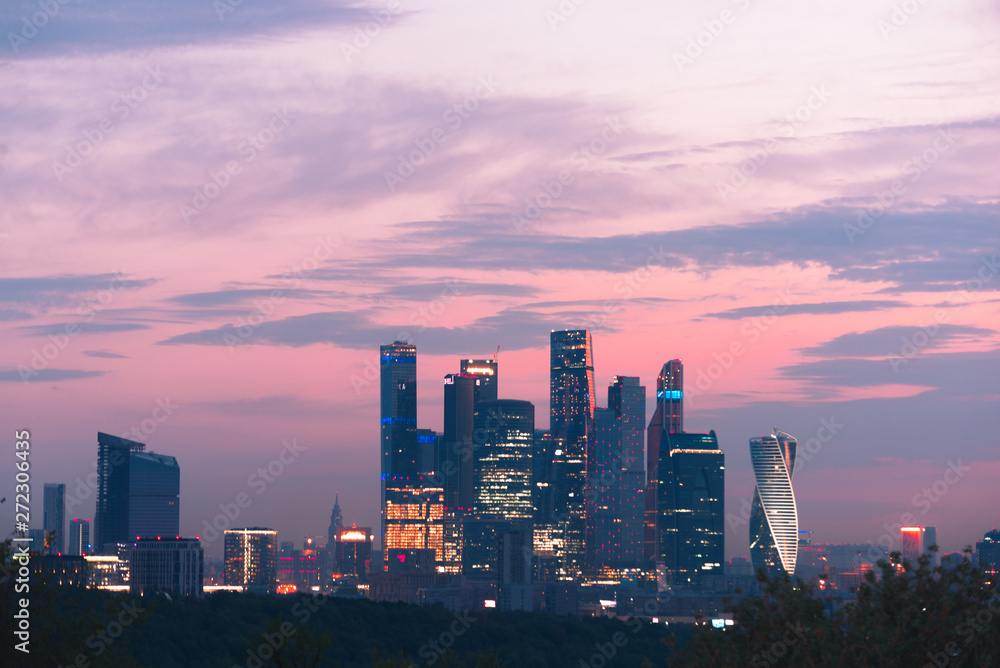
(208, 232)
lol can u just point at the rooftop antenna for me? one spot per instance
(496, 354)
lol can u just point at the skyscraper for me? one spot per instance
(79, 538)
(627, 398)
(571, 411)
(138, 493)
(691, 507)
(502, 461)
(54, 519)
(251, 558)
(456, 450)
(336, 521)
(988, 551)
(401, 455)
(774, 519)
(111, 516)
(487, 373)
(616, 479)
(667, 418)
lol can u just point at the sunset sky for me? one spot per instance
(223, 208)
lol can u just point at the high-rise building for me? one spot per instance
(168, 564)
(456, 450)
(486, 372)
(988, 551)
(414, 517)
(691, 526)
(138, 493)
(917, 541)
(401, 454)
(514, 590)
(502, 458)
(251, 558)
(774, 518)
(667, 418)
(336, 520)
(616, 479)
(353, 551)
(571, 412)
(79, 538)
(55, 516)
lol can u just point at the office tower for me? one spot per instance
(353, 551)
(251, 558)
(154, 495)
(54, 519)
(691, 525)
(930, 540)
(166, 564)
(456, 449)
(988, 551)
(667, 418)
(571, 410)
(414, 517)
(627, 401)
(336, 520)
(455, 461)
(917, 541)
(487, 373)
(428, 447)
(401, 455)
(111, 516)
(514, 571)
(774, 519)
(138, 493)
(480, 548)
(548, 533)
(79, 537)
(502, 458)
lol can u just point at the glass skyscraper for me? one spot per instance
(571, 411)
(504, 438)
(616, 479)
(401, 454)
(667, 418)
(138, 494)
(691, 506)
(55, 516)
(774, 519)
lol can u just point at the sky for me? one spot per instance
(213, 214)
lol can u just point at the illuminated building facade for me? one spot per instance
(169, 564)
(79, 537)
(401, 453)
(571, 412)
(487, 373)
(353, 549)
(502, 458)
(54, 518)
(668, 418)
(251, 559)
(774, 519)
(414, 517)
(917, 541)
(691, 486)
